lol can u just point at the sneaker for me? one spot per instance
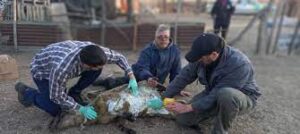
(21, 89)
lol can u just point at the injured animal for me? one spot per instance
(114, 104)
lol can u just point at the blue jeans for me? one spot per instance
(41, 97)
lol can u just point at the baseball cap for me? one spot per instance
(203, 45)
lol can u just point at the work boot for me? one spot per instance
(21, 88)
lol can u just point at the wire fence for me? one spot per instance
(41, 22)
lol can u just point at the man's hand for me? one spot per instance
(152, 82)
(179, 108)
(185, 94)
(88, 112)
(132, 85)
(155, 103)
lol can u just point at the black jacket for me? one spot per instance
(222, 13)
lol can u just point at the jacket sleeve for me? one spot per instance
(186, 76)
(57, 82)
(176, 66)
(114, 57)
(214, 9)
(143, 65)
(236, 79)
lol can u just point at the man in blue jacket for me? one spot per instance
(228, 77)
(156, 61)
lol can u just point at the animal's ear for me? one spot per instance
(66, 120)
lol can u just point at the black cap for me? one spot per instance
(203, 45)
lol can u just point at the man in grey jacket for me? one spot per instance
(228, 77)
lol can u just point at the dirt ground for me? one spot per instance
(278, 110)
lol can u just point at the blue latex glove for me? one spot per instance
(133, 86)
(88, 112)
(155, 103)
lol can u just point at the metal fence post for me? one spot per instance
(103, 22)
(15, 25)
(179, 5)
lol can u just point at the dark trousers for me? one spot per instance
(41, 99)
(110, 83)
(230, 103)
(220, 27)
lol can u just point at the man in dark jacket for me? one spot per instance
(228, 77)
(221, 13)
(157, 60)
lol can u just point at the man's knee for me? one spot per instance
(228, 97)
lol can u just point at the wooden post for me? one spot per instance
(34, 14)
(262, 26)
(20, 14)
(129, 11)
(179, 4)
(269, 42)
(135, 33)
(93, 12)
(295, 35)
(259, 34)
(15, 25)
(279, 27)
(164, 6)
(103, 22)
(199, 6)
(47, 10)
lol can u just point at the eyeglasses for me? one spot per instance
(163, 37)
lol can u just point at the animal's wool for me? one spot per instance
(118, 102)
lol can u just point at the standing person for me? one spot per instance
(221, 14)
(156, 61)
(228, 77)
(3, 6)
(54, 65)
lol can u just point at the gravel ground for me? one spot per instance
(278, 110)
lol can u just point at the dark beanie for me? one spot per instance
(203, 45)
(92, 55)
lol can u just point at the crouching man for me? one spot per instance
(228, 77)
(156, 61)
(54, 65)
